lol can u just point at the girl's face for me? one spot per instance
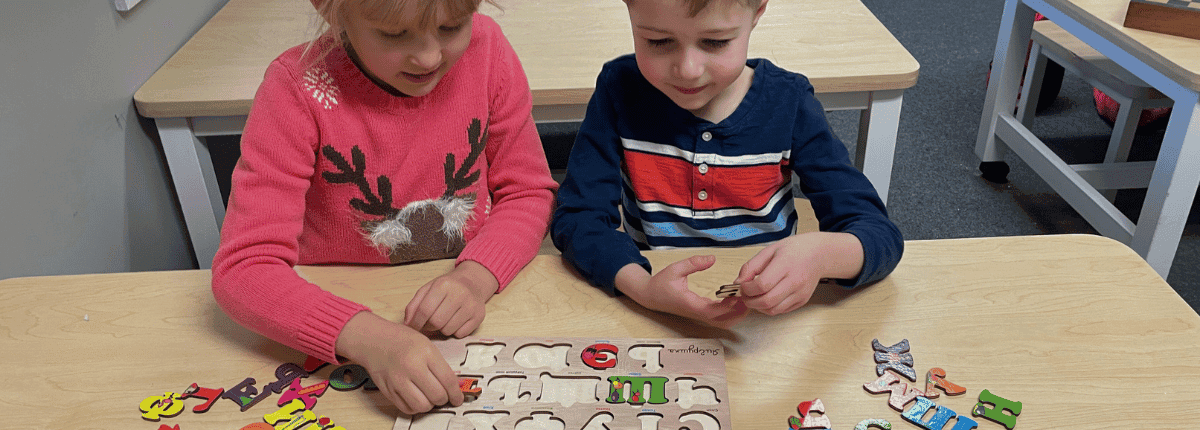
(401, 53)
(693, 60)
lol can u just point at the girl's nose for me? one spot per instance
(428, 54)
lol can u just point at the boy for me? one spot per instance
(696, 145)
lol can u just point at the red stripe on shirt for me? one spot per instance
(676, 182)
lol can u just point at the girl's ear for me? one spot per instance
(317, 3)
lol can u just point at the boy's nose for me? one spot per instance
(690, 65)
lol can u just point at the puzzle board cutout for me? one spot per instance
(531, 383)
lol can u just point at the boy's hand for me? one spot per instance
(783, 276)
(403, 363)
(668, 292)
(452, 304)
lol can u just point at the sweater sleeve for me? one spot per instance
(842, 198)
(585, 222)
(253, 278)
(522, 190)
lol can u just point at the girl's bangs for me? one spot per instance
(395, 11)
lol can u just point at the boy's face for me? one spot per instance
(404, 55)
(692, 60)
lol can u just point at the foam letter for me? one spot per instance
(997, 413)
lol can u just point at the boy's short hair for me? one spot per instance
(695, 6)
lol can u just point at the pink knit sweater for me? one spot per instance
(335, 169)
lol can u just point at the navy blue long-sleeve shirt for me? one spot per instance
(682, 181)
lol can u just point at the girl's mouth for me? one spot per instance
(420, 79)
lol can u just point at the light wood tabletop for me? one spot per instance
(1077, 328)
(838, 44)
(1174, 56)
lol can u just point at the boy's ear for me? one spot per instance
(762, 7)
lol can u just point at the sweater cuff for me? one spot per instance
(325, 324)
(498, 259)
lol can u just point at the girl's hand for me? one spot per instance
(452, 304)
(668, 292)
(403, 363)
(782, 277)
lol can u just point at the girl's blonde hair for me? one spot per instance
(695, 6)
(331, 32)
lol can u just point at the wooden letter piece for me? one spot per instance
(901, 393)
(600, 356)
(209, 394)
(895, 357)
(154, 408)
(997, 413)
(873, 422)
(936, 378)
(810, 421)
(939, 419)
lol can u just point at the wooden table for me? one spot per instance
(1076, 327)
(1170, 64)
(206, 88)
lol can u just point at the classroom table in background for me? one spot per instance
(1170, 64)
(206, 88)
(1078, 328)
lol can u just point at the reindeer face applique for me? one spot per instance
(421, 230)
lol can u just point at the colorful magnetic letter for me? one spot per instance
(794, 423)
(157, 407)
(936, 378)
(258, 426)
(658, 389)
(810, 421)
(600, 356)
(901, 393)
(873, 422)
(305, 394)
(294, 413)
(209, 394)
(167, 427)
(349, 377)
(997, 413)
(895, 357)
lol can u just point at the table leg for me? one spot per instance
(1008, 64)
(195, 185)
(1172, 188)
(877, 145)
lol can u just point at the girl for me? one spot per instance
(402, 133)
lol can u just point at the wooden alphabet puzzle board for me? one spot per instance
(531, 383)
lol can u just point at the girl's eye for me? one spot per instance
(451, 29)
(716, 43)
(658, 42)
(393, 35)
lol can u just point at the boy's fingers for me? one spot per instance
(690, 265)
(754, 265)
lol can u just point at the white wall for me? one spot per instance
(83, 184)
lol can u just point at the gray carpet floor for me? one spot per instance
(936, 189)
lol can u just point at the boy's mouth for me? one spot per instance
(692, 90)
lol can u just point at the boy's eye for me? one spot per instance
(716, 43)
(658, 42)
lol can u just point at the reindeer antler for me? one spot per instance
(458, 180)
(381, 205)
